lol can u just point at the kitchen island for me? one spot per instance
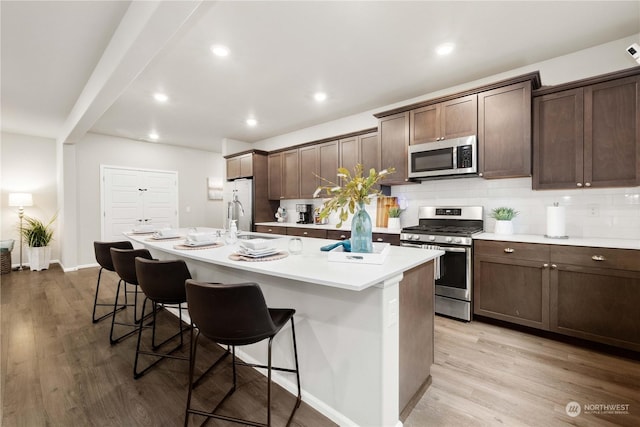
(364, 331)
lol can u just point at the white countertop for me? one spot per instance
(310, 266)
(597, 242)
(326, 227)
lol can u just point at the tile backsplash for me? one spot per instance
(606, 213)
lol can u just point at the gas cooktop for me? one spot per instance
(445, 224)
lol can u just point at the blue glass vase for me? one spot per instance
(361, 229)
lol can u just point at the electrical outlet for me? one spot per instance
(593, 210)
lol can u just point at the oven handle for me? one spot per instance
(449, 249)
(410, 245)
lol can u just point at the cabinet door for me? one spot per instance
(370, 151)
(328, 161)
(233, 168)
(309, 169)
(270, 229)
(612, 133)
(513, 290)
(274, 172)
(349, 157)
(596, 304)
(394, 141)
(246, 166)
(459, 117)
(338, 234)
(504, 137)
(307, 232)
(290, 174)
(425, 124)
(558, 140)
(393, 239)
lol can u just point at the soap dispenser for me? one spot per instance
(233, 232)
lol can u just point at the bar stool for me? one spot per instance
(236, 315)
(162, 283)
(124, 264)
(103, 256)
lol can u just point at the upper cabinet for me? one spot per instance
(588, 136)
(240, 166)
(394, 141)
(363, 149)
(450, 119)
(504, 131)
(274, 173)
(309, 169)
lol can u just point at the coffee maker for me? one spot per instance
(304, 214)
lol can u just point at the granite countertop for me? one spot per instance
(598, 242)
(326, 227)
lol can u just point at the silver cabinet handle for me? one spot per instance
(545, 265)
(270, 231)
(380, 239)
(304, 233)
(598, 258)
(554, 266)
(509, 250)
(579, 184)
(587, 184)
(342, 236)
(480, 174)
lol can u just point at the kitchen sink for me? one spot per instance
(251, 237)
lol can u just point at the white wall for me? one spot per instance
(590, 212)
(28, 164)
(193, 167)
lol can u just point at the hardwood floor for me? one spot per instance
(58, 369)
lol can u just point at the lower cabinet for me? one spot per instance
(307, 232)
(584, 292)
(338, 234)
(270, 229)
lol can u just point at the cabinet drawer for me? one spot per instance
(307, 232)
(619, 259)
(338, 234)
(394, 239)
(515, 250)
(271, 229)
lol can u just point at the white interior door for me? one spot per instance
(131, 197)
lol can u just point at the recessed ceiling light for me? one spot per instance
(219, 50)
(160, 97)
(320, 96)
(445, 48)
(154, 136)
(251, 122)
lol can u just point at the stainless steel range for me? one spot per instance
(449, 228)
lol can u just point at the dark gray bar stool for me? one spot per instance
(163, 284)
(125, 266)
(103, 257)
(236, 315)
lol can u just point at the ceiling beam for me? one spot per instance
(145, 29)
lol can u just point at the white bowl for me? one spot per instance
(201, 237)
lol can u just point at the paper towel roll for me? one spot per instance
(555, 221)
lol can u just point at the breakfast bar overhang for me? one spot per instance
(364, 331)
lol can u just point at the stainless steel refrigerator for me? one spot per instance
(238, 202)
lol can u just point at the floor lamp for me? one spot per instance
(20, 200)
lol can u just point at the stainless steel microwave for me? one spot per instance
(456, 156)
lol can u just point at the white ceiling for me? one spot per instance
(365, 55)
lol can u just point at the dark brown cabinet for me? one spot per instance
(318, 233)
(309, 169)
(585, 292)
(588, 136)
(329, 155)
(595, 295)
(338, 234)
(393, 239)
(394, 142)
(511, 282)
(291, 174)
(360, 149)
(274, 167)
(504, 131)
(271, 229)
(450, 119)
(240, 166)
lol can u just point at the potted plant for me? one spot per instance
(394, 217)
(503, 216)
(349, 196)
(37, 235)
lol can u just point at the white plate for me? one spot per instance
(158, 237)
(258, 254)
(196, 244)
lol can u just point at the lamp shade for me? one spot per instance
(20, 199)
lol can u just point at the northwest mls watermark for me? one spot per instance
(573, 409)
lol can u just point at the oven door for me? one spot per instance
(453, 272)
